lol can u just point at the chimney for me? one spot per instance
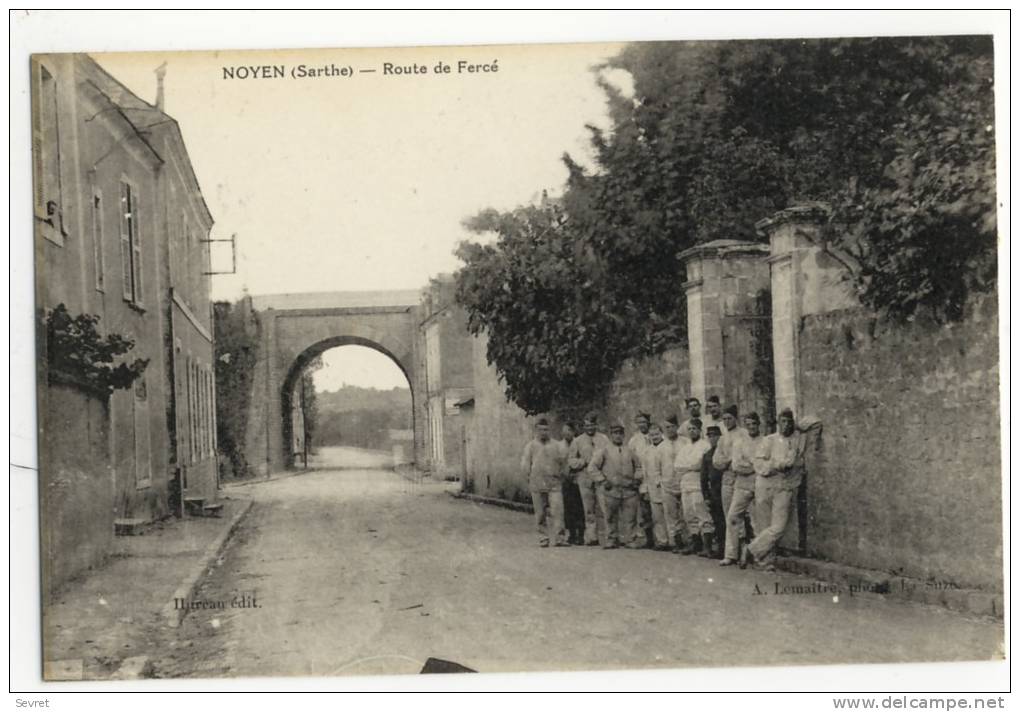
(160, 73)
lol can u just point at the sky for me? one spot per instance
(335, 183)
(357, 366)
(361, 183)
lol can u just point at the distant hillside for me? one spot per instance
(361, 417)
(351, 398)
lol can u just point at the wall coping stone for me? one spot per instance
(808, 212)
(722, 248)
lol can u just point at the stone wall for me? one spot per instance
(76, 483)
(907, 475)
(498, 430)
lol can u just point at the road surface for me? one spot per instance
(358, 571)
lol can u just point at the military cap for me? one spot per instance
(732, 410)
(713, 429)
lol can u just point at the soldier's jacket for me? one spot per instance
(543, 464)
(710, 474)
(688, 461)
(780, 459)
(707, 421)
(617, 466)
(665, 472)
(723, 457)
(582, 448)
(639, 444)
(742, 452)
(652, 482)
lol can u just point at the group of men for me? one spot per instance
(705, 485)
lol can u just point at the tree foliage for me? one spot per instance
(76, 349)
(895, 134)
(236, 355)
(307, 399)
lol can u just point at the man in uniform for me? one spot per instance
(573, 508)
(543, 464)
(578, 457)
(711, 489)
(736, 454)
(731, 432)
(653, 485)
(779, 465)
(693, 413)
(638, 443)
(713, 415)
(669, 482)
(617, 472)
(687, 465)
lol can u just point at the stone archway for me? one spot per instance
(295, 328)
(310, 354)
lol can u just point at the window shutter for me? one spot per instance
(125, 240)
(136, 250)
(97, 239)
(37, 142)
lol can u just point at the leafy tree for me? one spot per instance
(308, 399)
(75, 348)
(921, 221)
(554, 333)
(236, 350)
(895, 134)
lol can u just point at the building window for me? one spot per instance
(97, 239)
(212, 411)
(210, 421)
(201, 413)
(181, 281)
(130, 244)
(192, 407)
(143, 458)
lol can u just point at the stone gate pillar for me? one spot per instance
(806, 279)
(723, 279)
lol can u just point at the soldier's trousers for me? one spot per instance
(717, 503)
(673, 515)
(772, 506)
(696, 514)
(741, 503)
(594, 515)
(549, 511)
(573, 512)
(644, 515)
(621, 517)
(659, 530)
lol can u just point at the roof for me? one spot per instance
(146, 120)
(334, 300)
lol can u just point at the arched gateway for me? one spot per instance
(295, 328)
